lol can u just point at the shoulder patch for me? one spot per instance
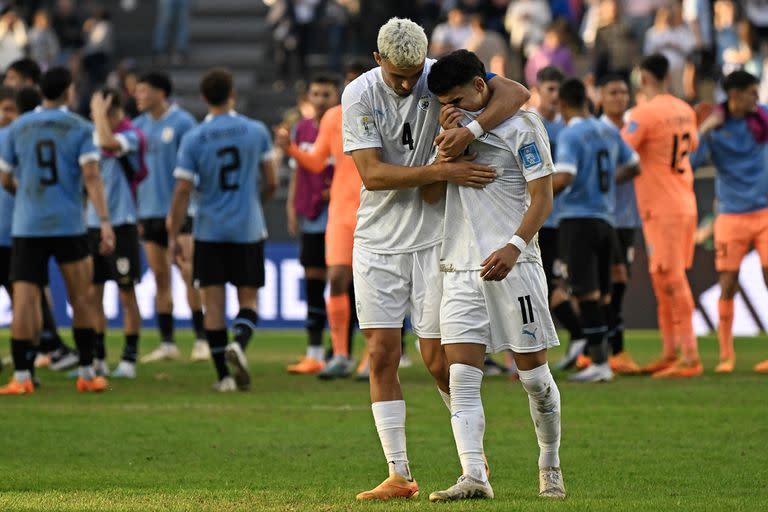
(632, 127)
(530, 155)
(365, 123)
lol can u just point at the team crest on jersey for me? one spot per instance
(530, 155)
(123, 265)
(424, 102)
(167, 134)
(366, 125)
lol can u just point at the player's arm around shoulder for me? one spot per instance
(268, 164)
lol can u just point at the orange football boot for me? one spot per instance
(680, 370)
(18, 388)
(726, 365)
(583, 361)
(393, 487)
(762, 367)
(307, 365)
(658, 365)
(623, 364)
(97, 384)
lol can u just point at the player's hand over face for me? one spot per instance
(465, 173)
(107, 243)
(450, 117)
(453, 142)
(282, 137)
(499, 264)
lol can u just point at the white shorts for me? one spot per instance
(388, 286)
(512, 314)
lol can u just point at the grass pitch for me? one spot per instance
(165, 442)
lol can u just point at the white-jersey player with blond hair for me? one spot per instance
(390, 128)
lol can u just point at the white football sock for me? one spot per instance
(22, 376)
(390, 424)
(446, 398)
(468, 418)
(316, 353)
(544, 401)
(86, 372)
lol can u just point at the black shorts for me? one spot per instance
(30, 255)
(312, 252)
(624, 246)
(123, 266)
(5, 268)
(218, 263)
(154, 230)
(587, 248)
(550, 256)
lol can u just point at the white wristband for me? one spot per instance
(518, 242)
(475, 128)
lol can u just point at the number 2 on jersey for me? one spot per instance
(681, 146)
(232, 165)
(45, 151)
(407, 137)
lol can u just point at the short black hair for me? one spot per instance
(739, 80)
(7, 93)
(357, 66)
(55, 82)
(27, 99)
(657, 65)
(27, 68)
(550, 74)
(573, 93)
(325, 79)
(158, 80)
(612, 77)
(455, 69)
(216, 86)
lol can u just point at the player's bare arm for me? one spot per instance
(177, 216)
(105, 138)
(561, 181)
(627, 173)
(8, 182)
(507, 97)
(290, 207)
(500, 262)
(378, 175)
(94, 187)
(269, 179)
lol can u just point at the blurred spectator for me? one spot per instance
(615, 48)
(671, 37)
(756, 12)
(68, 25)
(698, 15)
(97, 54)
(451, 35)
(290, 21)
(167, 12)
(494, 12)
(726, 35)
(336, 18)
(526, 22)
(489, 46)
(742, 56)
(43, 43)
(552, 52)
(640, 15)
(13, 37)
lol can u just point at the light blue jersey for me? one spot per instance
(553, 128)
(45, 149)
(741, 184)
(120, 203)
(6, 204)
(317, 225)
(592, 152)
(223, 157)
(626, 213)
(163, 138)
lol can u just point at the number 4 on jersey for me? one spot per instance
(407, 137)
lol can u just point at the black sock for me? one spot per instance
(197, 324)
(616, 320)
(23, 353)
(165, 324)
(85, 341)
(594, 328)
(217, 340)
(49, 337)
(352, 317)
(567, 317)
(243, 326)
(99, 350)
(131, 348)
(316, 313)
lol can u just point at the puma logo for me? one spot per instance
(529, 333)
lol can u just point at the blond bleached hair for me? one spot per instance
(403, 43)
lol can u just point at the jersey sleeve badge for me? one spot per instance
(530, 155)
(366, 125)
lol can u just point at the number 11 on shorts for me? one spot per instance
(527, 315)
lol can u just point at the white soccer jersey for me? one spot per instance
(404, 128)
(480, 221)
